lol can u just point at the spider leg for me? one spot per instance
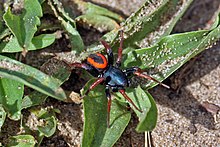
(118, 61)
(108, 95)
(139, 72)
(85, 66)
(80, 65)
(122, 91)
(109, 52)
(97, 82)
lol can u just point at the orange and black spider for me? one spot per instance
(114, 78)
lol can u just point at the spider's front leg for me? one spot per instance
(118, 61)
(109, 52)
(94, 72)
(91, 70)
(96, 83)
(140, 73)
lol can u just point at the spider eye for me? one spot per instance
(97, 60)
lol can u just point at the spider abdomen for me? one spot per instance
(98, 61)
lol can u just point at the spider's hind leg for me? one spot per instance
(96, 83)
(122, 91)
(140, 73)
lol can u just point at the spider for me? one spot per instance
(110, 74)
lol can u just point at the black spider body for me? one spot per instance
(115, 78)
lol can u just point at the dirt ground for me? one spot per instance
(182, 119)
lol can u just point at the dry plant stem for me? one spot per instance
(147, 136)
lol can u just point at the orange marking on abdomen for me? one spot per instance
(97, 64)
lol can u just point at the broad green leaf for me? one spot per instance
(2, 116)
(95, 131)
(89, 8)
(171, 52)
(24, 26)
(95, 117)
(69, 26)
(11, 93)
(99, 22)
(31, 77)
(98, 17)
(37, 42)
(119, 119)
(148, 119)
(42, 41)
(49, 128)
(22, 141)
(59, 71)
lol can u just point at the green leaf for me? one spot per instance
(171, 52)
(37, 42)
(99, 22)
(58, 5)
(119, 119)
(148, 119)
(77, 44)
(49, 128)
(42, 41)
(11, 93)
(68, 25)
(24, 26)
(2, 116)
(98, 17)
(4, 33)
(216, 22)
(31, 77)
(95, 131)
(89, 8)
(22, 141)
(59, 71)
(33, 99)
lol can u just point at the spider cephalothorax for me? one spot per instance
(114, 78)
